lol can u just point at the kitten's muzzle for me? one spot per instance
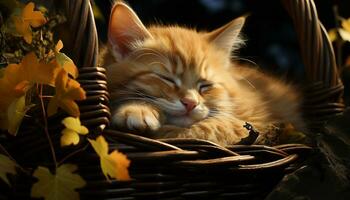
(189, 104)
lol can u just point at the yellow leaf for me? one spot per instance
(332, 34)
(30, 69)
(17, 79)
(35, 18)
(64, 61)
(113, 165)
(15, 113)
(345, 35)
(346, 24)
(28, 18)
(23, 29)
(67, 64)
(39, 72)
(10, 91)
(70, 135)
(7, 166)
(67, 91)
(7, 95)
(58, 46)
(75, 125)
(61, 185)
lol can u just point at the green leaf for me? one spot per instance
(15, 113)
(57, 186)
(62, 59)
(7, 166)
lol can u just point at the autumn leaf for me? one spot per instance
(57, 186)
(332, 34)
(7, 166)
(344, 31)
(27, 19)
(113, 165)
(15, 113)
(64, 61)
(16, 80)
(32, 70)
(70, 135)
(346, 24)
(345, 35)
(9, 92)
(67, 91)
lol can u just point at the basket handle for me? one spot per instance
(323, 96)
(84, 46)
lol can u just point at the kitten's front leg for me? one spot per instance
(134, 116)
(221, 131)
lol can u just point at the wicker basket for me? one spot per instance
(182, 168)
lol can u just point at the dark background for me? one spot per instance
(271, 40)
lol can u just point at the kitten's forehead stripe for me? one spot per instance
(203, 68)
(179, 66)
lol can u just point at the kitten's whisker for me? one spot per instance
(154, 51)
(250, 83)
(247, 60)
(156, 62)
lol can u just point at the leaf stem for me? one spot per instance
(72, 154)
(46, 127)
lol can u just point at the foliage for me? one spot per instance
(344, 31)
(7, 166)
(57, 186)
(341, 36)
(113, 165)
(67, 91)
(28, 18)
(37, 76)
(70, 135)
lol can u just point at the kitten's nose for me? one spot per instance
(189, 104)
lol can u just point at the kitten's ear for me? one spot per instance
(125, 28)
(227, 37)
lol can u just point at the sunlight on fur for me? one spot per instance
(170, 81)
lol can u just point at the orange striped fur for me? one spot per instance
(169, 81)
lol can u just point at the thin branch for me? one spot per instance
(72, 154)
(46, 127)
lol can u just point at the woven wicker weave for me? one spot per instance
(184, 168)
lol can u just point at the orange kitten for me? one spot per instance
(169, 81)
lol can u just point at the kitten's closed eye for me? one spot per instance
(167, 79)
(204, 86)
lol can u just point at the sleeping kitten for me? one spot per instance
(170, 81)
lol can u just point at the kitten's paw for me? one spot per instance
(137, 118)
